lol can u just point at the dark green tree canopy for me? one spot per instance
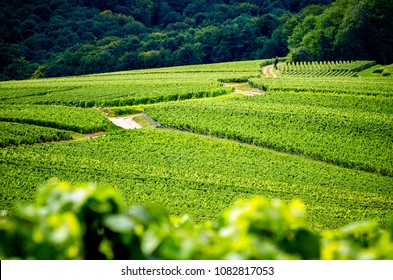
(88, 36)
(346, 29)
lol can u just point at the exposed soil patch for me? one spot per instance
(94, 134)
(268, 71)
(126, 122)
(245, 89)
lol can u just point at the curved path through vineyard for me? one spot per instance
(267, 70)
(245, 89)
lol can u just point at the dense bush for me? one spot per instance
(85, 222)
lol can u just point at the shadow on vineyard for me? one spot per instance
(86, 222)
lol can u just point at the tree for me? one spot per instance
(18, 69)
(190, 54)
(266, 24)
(300, 54)
(141, 10)
(347, 29)
(39, 73)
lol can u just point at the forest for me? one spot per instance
(40, 38)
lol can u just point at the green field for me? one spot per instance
(382, 87)
(16, 134)
(351, 131)
(324, 69)
(128, 88)
(326, 141)
(61, 117)
(197, 175)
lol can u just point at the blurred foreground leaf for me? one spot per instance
(87, 222)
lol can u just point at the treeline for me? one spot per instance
(56, 38)
(344, 30)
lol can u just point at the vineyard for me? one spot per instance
(379, 87)
(61, 117)
(18, 134)
(197, 175)
(324, 68)
(324, 140)
(53, 103)
(29, 124)
(359, 128)
(128, 88)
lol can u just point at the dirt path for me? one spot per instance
(245, 89)
(268, 71)
(122, 122)
(126, 122)
(93, 135)
(271, 72)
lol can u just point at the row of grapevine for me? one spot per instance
(359, 86)
(60, 117)
(387, 70)
(359, 129)
(324, 68)
(103, 93)
(196, 175)
(29, 124)
(129, 88)
(324, 73)
(18, 134)
(224, 67)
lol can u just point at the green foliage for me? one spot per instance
(85, 37)
(105, 91)
(65, 223)
(39, 73)
(237, 79)
(272, 61)
(387, 70)
(60, 117)
(300, 54)
(18, 134)
(371, 71)
(29, 124)
(19, 68)
(304, 68)
(361, 240)
(346, 121)
(85, 222)
(384, 71)
(359, 128)
(190, 54)
(196, 175)
(126, 110)
(343, 31)
(329, 85)
(129, 87)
